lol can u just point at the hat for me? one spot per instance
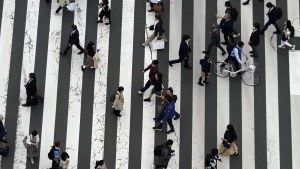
(169, 142)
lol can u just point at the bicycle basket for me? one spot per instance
(251, 66)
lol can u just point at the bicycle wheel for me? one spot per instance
(250, 78)
(219, 71)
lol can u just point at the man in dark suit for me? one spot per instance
(226, 25)
(254, 39)
(73, 40)
(183, 52)
(215, 40)
(272, 14)
(31, 92)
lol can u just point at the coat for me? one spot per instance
(153, 71)
(158, 29)
(74, 37)
(184, 50)
(227, 26)
(119, 101)
(31, 88)
(255, 38)
(63, 3)
(96, 59)
(272, 14)
(169, 111)
(164, 158)
(2, 130)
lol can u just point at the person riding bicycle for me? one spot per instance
(233, 54)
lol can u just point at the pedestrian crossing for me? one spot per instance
(77, 111)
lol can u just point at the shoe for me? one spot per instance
(224, 43)
(154, 118)
(118, 115)
(92, 68)
(79, 53)
(235, 36)
(205, 52)
(236, 154)
(24, 105)
(188, 67)
(139, 92)
(170, 63)
(251, 52)
(178, 117)
(223, 53)
(293, 47)
(281, 46)
(245, 3)
(100, 21)
(62, 53)
(42, 100)
(277, 32)
(147, 100)
(82, 69)
(170, 131)
(107, 23)
(151, 10)
(201, 84)
(157, 128)
(206, 82)
(31, 160)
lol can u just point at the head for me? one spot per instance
(34, 132)
(269, 5)
(170, 91)
(74, 27)
(288, 23)
(256, 26)
(154, 63)
(57, 144)
(214, 151)
(230, 127)
(1, 117)
(158, 76)
(120, 89)
(240, 44)
(32, 75)
(90, 44)
(227, 4)
(169, 143)
(186, 37)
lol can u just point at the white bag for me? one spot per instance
(73, 6)
(158, 44)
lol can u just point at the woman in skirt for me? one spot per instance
(228, 147)
(90, 51)
(287, 33)
(32, 145)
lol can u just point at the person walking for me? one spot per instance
(184, 50)
(226, 24)
(105, 14)
(31, 92)
(228, 146)
(234, 51)
(32, 142)
(73, 40)
(3, 131)
(64, 160)
(157, 87)
(153, 70)
(165, 155)
(62, 3)
(215, 39)
(205, 70)
(273, 17)
(169, 112)
(118, 102)
(54, 155)
(254, 39)
(158, 31)
(211, 159)
(287, 33)
(91, 58)
(100, 165)
(247, 2)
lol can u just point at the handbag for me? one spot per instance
(226, 144)
(157, 7)
(151, 27)
(158, 44)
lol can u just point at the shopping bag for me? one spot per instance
(158, 44)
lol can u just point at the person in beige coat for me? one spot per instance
(62, 3)
(118, 102)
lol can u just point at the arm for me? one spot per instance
(28, 140)
(147, 68)
(116, 100)
(165, 154)
(236, 55)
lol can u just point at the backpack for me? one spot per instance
(230, 47)
(51, 153)
(113, 96)
(278, 13)
(234, 14)
(158, 149)
(208, 157)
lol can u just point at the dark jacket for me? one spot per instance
(157, 85)
(74, 37)
(215, 36)
(205, 66)
(272, 14)
(229, 136)
(255, 38)
(2, 130)
(31, 88)
(158, 29)
(164, 158)
(227, 26)
(184, 49)
(169, 111)
(153, 71)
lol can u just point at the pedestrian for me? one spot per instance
(215, 39)
(62, 3)
(157, 87)
(31, 92)
(226, 24)
(254, 39)
(91, 57)
(287, 33)
(104, 14)
(273, 17)
(64, 160)
(153, 70)
(2, 128)
(118, 102)
(73, 40)
(234, 51)
(158, 31)
(54, 155)
(205, 70)
(169, 112)
(100, 165)
(32, 142)
(212, 159)
(247, 2)
(228, 146)
(184, 50)
(165, 155)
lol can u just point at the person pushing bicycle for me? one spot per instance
(233, 54)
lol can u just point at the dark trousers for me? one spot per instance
(55, 164)
(147, 85)
(268, 24)
(160, 167)
(226, 35)
(116, 112)
(31, 101)
(70, 45)
(254, 49)
(58, 9)
(218, 46)
(162, 113)
(236, 63)
(170, 123)
(186, 61)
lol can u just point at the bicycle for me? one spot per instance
(249, 76)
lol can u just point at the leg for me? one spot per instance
(254, 49)
(117, 112)
(277, 27)
(79, 47)
(58, 9)
(266, 26)
(67, 49)
(147, 85)
(176, 61)
(210, 45)
(186, 63)
(287, 44)
(164, 38)
(149, 39)
(170, 123)
(222, 49)
(226, 38)
(231, 37)
(177, 115)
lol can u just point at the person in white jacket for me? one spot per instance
(287, 33)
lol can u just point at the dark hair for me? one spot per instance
(227, 4)
(57, 144)
(34, 132)
(214, 151)
(90, 44)
(257, 26)
(269, 5)
(232, 131)
(291, 28)
(170, 89)
(64, 156)
(169, 142)
(186, 37)
(120, 89)
(101, 162)
(206, 57)
(32, 75)
(155, 62)
(74, 27)
(240, 43)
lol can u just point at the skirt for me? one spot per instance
(32, 151)
(226, 152)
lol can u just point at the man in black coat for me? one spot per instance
(73, 40)
(31, 92)
(272, 14)
(226, 25)
(215, 40)
(254, 39)
(183, 52)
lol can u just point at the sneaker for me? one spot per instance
(201, 84)
(170, 131)
(157, 128)
(147, 100)
(178, 117)
(24, 105)
(236, 154)
(277, 32)
(139, 92)
(223, 53)
(281, 46)
(293, 47)
(206, 82)
(236, 35)
(246, 3)
(251, 52)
